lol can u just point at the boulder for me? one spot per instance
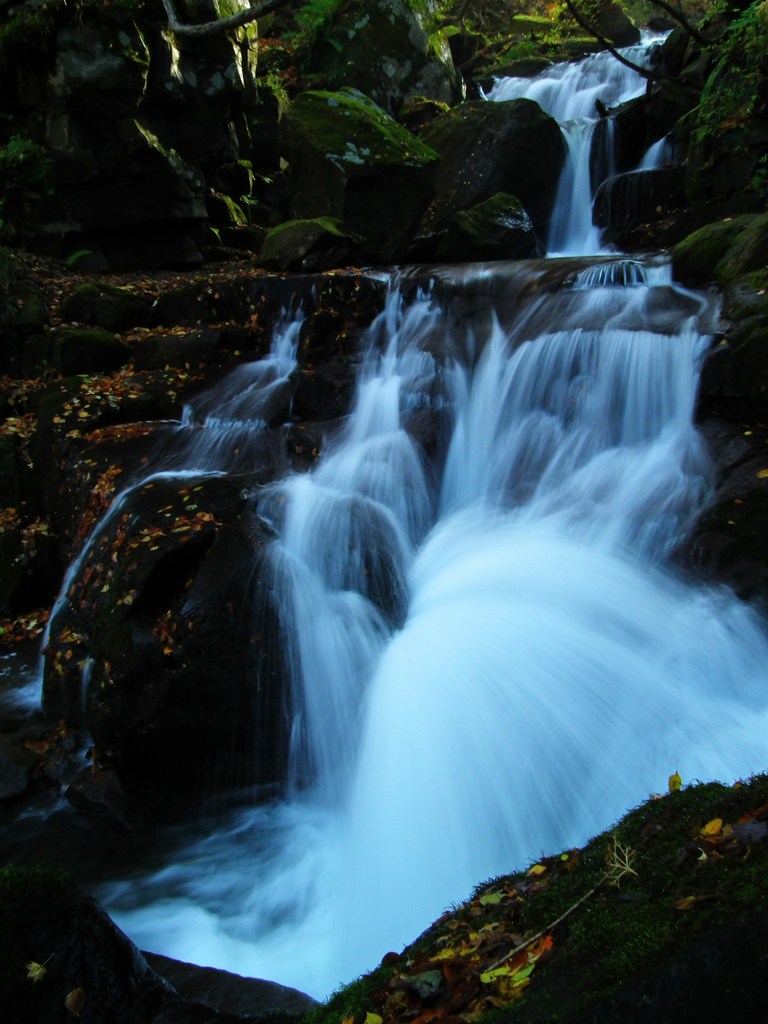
(107, 306)
(63, 959)
(498, 229)
(351, 161)
(486, 148)
(171, 610)
(77, 350)
(624, 200)
(305, 244)
(386, 51)
(722, 251)
(612, 22)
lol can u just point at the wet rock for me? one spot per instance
(487, 148)
(696, 258)
(625, 200)
(101, 796)
(170, 641)
(497, 229)
(325, 392)
(230, 993)
(352, 162)
(612, 22)
(14, 778)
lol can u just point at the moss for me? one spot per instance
(695, 259)
(351, 130)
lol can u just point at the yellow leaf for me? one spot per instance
(537, 870)
(490, 898)
(35, 971)
(761, 474)
(497, 972)
(75, 1001)
(675, 782)
(713, 827)
(373, 1018)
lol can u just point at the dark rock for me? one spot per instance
(46, 920)
(695, 259)
(497, 229)
(183, 685)
(324, 393)
(107, 306)
(77, 350)
(14, 778)
(230, 993)
(101, 795)
(290, 246)
(486, 148)
(386, 52)
(637, 196)
(30, 570)
(351, 161)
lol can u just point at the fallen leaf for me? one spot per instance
(35, 971)
(537, 870)
(490, 898)
(713, 827)
(675, 782)
(75, 1001)
(686, 903)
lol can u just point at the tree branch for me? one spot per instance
(647, 73)
(681, 19)
(209, 28)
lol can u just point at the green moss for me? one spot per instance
(351, 130)
(695, 259)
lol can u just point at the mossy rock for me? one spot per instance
(486, 148)
(87, 350)
(107, 306)
(498, 229)
(696, 258)
(288, 246)
(353, 162)
(387, 51)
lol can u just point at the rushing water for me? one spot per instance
(491, 656)
(575, 94)
(530, 669)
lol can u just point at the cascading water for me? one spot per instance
(490, 656)
(574, 94)
(490, 663)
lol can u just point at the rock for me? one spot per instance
(107, 306)
(496, 229)
(612, 22)
(728, 544)
(486, 148)
(637, 196)
(351, 161)
(292, 245)
(182, 686)
(77, 350)
(230, 993)
(696, 258)
(30, 570)
(385, 50)
(14, 778)
(102, 796)
(49, 926)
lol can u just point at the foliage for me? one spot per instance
(313, 17)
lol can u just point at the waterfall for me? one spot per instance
(491, 660)
(490, 653)
(574, 94)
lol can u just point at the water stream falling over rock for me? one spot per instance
(490, 656)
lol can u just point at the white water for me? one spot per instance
(570, 92)
(548, 671)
